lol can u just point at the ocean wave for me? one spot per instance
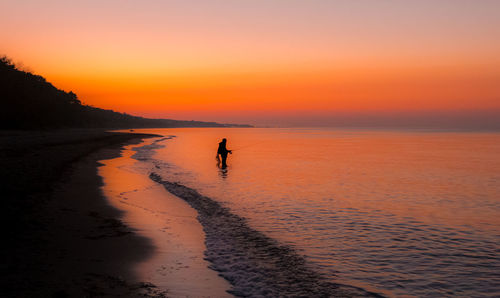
(145, 152)
(254, 264)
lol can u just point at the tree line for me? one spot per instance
(29, 102)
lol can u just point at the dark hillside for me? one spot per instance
(29, 102)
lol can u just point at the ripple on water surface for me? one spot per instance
(400, 213)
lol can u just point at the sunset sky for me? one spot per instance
(276, 62)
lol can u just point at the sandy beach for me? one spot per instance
(250, 148)
(177, 264)
(63, 238)
(90, 213)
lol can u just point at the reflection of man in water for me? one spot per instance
(222, 151)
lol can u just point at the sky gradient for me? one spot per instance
(266, 62)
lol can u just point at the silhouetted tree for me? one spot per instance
(28, 101)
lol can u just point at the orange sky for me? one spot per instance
(240, 61)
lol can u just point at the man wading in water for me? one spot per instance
(222, 151)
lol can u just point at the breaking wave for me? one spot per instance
(145, 152)
(253, 263)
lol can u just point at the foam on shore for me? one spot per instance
(176, 264)
(253, 263)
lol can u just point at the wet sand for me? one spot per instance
(63, 238)
(177, 263)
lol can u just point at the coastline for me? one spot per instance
(251, 263)
(64, 239)
(178, 263)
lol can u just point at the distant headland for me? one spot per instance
(29, 102)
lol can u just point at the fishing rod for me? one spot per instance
(239, 148)
(247, 146)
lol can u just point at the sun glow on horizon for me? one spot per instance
(174, 59)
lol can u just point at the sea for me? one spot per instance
(340, 212)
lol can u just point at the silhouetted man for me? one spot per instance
(222, 151)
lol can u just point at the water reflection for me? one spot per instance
(222, 170)
(177, 264)
(392, 210)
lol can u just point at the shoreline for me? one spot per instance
(252, 263)
(64, 239)
(178, 263)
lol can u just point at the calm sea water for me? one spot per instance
(394, 212)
